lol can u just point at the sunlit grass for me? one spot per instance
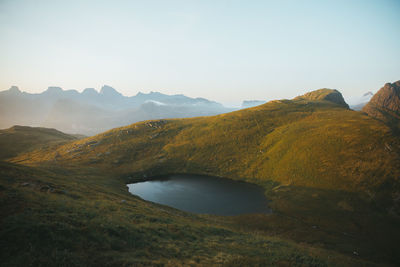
(329, 172)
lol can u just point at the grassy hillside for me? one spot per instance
(75, 218)
(18, 139)
(330, 173)
(300, 142)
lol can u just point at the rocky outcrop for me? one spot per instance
(331, 95)
(385, 105)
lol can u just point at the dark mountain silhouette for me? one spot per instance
(91, 112)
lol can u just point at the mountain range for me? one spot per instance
(92, 112)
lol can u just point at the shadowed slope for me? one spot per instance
(18, 139)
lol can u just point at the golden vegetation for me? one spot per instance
(76, 218)
(331, 175)
(303, 143)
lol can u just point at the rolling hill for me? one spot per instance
(19, 139)
(313, 140)
(330, 173)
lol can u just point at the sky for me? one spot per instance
(227, 51)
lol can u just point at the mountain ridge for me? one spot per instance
(91, 112)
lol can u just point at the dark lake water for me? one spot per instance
(203, 194)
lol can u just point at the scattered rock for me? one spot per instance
(156, 124)
(154, 135)
(388, 148)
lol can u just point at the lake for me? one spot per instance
(203, 194)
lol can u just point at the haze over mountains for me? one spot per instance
(92, 112)
(252, 103)
(357, 103)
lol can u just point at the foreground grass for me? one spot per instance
(58, 218)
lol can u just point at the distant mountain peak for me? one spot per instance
(14, 89)
(331, 95)
(368, 94)
(53, 89)
(90, 91)
(109, 91)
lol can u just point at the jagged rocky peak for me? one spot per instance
(387, 98)
(385, 105)
(331, 95)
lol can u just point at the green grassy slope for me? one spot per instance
(331, 175)
(19, 139)
(74, 218)
(300, 142)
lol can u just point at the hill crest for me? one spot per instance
(324, 94)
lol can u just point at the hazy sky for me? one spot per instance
(222, 50)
